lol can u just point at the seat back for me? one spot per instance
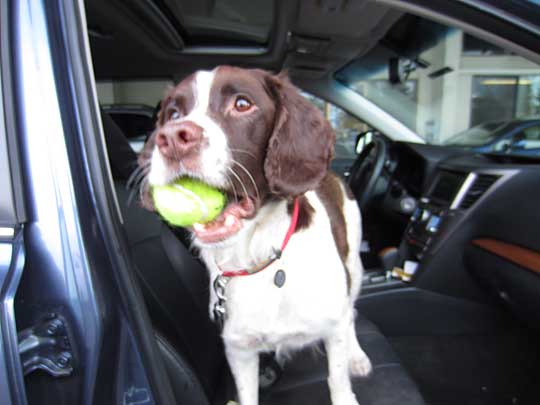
(175, 287)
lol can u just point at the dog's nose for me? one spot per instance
(179, 140)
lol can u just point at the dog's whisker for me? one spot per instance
(239, 181)
(137, 189)
(231, 183)
(142, 187)
(141, 174)
(243, 151)
(136, 184)
(131, 196)
(249, 175)
(136, 175)
(144, 165)
(133, 192)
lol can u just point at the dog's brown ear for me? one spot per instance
(301, 145)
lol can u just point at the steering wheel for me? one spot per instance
(367, 169)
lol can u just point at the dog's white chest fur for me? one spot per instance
(263, 316)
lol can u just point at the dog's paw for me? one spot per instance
(349, 399)
(360, 366)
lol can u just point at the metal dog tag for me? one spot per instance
(279, 278)
(220, 312)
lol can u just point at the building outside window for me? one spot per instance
(497, 98)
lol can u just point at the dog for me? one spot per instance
(283, 256)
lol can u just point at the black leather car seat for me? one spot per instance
(175, 287)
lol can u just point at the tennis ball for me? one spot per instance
(187, 201)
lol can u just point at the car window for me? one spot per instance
(529, 138)
(346, 126)
(478, 135)
(447, 86)
(131, 92)
(131, 104)
(532, 133)
(133, 123)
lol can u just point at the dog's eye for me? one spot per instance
(175, 114)
(242, 104)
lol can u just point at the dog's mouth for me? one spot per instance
(228, 223)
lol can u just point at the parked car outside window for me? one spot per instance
(517, 137)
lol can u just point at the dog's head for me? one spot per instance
(246, 132)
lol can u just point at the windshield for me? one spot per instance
(450, 87)
(476, 136)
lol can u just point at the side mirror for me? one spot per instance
(362, 139)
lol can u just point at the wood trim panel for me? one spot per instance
(521, 256)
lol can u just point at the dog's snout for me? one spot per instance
(161, 140)
(179, 139)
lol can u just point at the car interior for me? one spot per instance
(448, 312)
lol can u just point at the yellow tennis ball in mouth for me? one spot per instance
(187, 201)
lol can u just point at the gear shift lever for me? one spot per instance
(389, 258)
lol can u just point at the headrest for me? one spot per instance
(122, 158)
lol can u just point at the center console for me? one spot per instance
(446, 193)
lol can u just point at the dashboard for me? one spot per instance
(473, 229)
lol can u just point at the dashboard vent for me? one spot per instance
(480, 185)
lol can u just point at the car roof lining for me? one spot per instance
(312, 39)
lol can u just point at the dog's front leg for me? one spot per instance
(244, 364)
(339, 382)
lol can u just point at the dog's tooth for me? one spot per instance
(198, 227)
(229, 220)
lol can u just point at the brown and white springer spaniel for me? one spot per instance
(251, 134)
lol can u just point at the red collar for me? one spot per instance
(277, 253)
